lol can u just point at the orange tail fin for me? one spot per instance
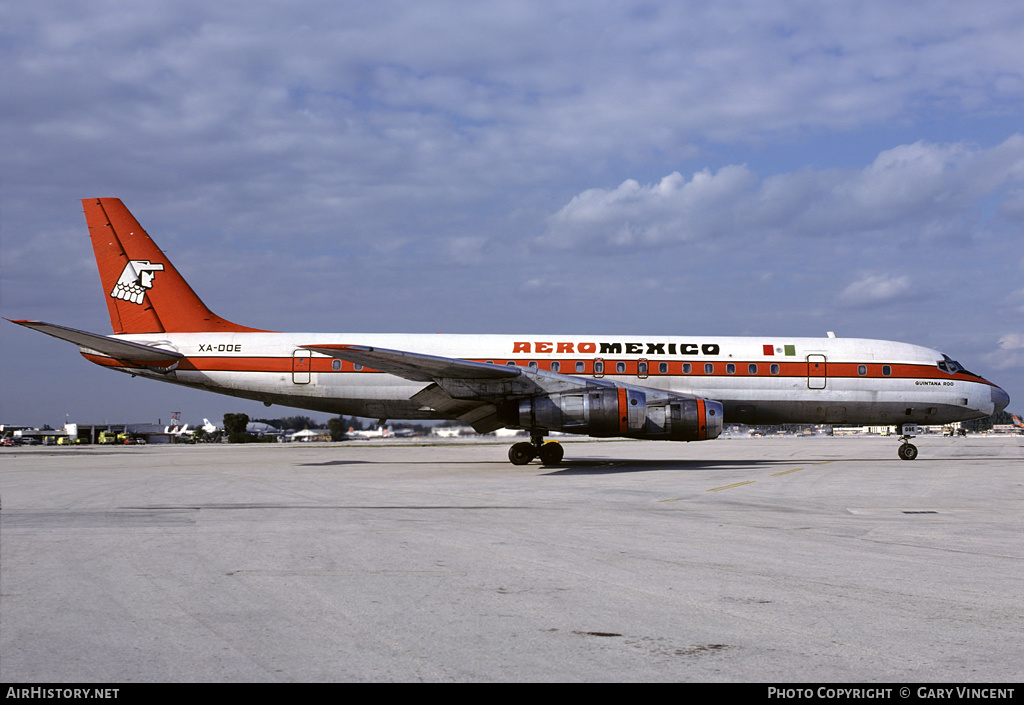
(144, 292)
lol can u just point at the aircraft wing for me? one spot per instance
(414, 366)
(464, 389)
(124, 350)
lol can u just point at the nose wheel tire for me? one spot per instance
(907, 451)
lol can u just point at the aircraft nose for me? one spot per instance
(1000, 399)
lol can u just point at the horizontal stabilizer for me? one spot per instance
(103, 345)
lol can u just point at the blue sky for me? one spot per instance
(738, 168)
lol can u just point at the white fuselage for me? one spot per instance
(758, 380)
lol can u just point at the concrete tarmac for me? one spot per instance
(753, 560)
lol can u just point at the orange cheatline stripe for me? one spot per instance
(623, 411)
(837, 370)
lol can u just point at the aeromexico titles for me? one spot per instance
(647, 387)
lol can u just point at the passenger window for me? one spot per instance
(709, 368)
(641, 368)
(751, 369)
(599, 367)
(862, 370)
(510, 363)
(357, 367)
(556, 366)
(335, 365)
(663, 368)
(687, 368)
(775, 369)
(580, 366)
(533, 364)
(886, 370)
(730, 369)
(620, 367)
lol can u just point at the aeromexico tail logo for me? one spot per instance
(135, 279)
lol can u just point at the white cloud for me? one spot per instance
(875, 290)
(1010, 353)
(671, 211)
(934, 186)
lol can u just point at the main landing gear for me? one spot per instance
(907, 451)
(550, 453)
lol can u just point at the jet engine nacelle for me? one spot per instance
(628, 412)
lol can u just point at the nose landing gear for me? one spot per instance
(550, 453)
(907, 451)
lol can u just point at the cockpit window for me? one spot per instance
(952, 366)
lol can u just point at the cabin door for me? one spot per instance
(300, 366)
(816, 376)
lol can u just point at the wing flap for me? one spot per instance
(482, 416)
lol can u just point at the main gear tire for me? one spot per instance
(521, 453)
(551, 453)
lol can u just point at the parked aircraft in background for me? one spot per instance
(378, 432)
(178, 429)
(660, 387)
(258, 428)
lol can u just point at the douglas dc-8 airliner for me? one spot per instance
(658, 387)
